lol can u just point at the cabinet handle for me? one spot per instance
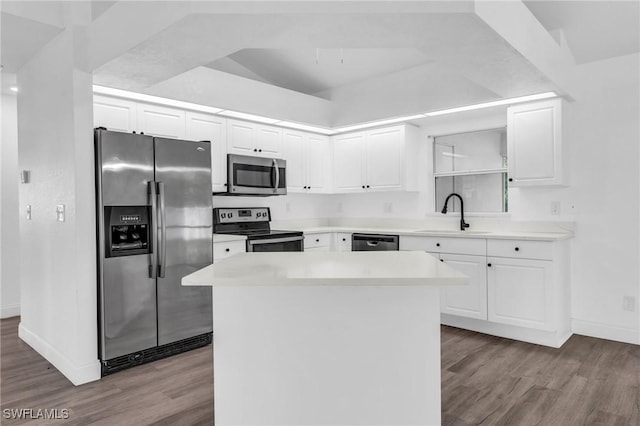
(260, 150)
(255, 149)
(317, 240)
(510, 179)
(441, 260)
(368, 186)
(437, 244)
(227, 249)
(489, 265)
(517, 248)
(362, 186)
(225, 184)
(344, 239)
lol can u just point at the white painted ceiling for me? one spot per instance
(311, 71)
(418, 56)
(594, 30)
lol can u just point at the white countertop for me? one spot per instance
(388, 268)
(225, 238)
(504, 235)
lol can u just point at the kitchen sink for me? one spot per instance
(450, 231)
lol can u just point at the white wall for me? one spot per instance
(10, 238)
(602, 131)
(57, 259)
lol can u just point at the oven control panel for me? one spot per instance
(238, 215)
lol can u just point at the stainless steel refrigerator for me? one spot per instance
(154, 211)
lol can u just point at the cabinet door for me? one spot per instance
(384, 156)
(222, 250)
(348, 164)
(205, 127)
(241, 138)
(520, 292)
(114, 114)
(317, 159)
(269, 142)
(161, 121)
(294, 150)
(534, 143)
(468, 300)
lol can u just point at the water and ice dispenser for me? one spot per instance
(128, 230)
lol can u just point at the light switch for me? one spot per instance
(28, 211)
(60, 212)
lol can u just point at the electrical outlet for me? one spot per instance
(60, 212)
(388, 207)
(287, 207)
(340, 207)
(28, 211)
(629, 303)
(555, 208)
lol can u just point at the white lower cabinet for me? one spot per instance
(317, 242)
(224, 249)
(517, 289)
(469, 300)
(520, 292)
(342, 241)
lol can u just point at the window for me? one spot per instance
(474, 165)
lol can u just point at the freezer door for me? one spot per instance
(185, 215)
(127, 295)
(126, 163)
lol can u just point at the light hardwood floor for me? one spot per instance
(485, 380)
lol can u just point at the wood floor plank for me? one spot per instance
(486, 380)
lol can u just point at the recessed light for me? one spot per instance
(14, 89)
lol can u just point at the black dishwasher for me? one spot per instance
(374, 242)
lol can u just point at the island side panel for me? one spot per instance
(330, 355)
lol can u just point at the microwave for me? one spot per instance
(259, 176)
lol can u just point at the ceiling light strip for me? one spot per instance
(102, 90)
(306, 127)
(509, 101)
(377, 123)
(250, 117)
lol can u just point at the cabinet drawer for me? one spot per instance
(472, 246)
(343, 241)
(316, 240)
(225, 249)
(520, 249)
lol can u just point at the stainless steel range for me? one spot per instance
(254, 223)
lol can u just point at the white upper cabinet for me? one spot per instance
(211, 128)
(114, 114)
(318, 163)
(377, 160)
(161, 121)
(254, 139)
(348, 167)
(307, 158)
(534, 140)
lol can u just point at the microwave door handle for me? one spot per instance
(277, 170)
(153, 256)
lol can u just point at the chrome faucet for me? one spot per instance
(463, 224)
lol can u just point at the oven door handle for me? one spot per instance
(275, 240)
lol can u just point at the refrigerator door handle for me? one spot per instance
(162, 252)
(153, 196)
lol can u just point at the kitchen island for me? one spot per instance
(329, 338)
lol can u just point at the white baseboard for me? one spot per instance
(77, 374)
(9, 311)
(605, 331)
